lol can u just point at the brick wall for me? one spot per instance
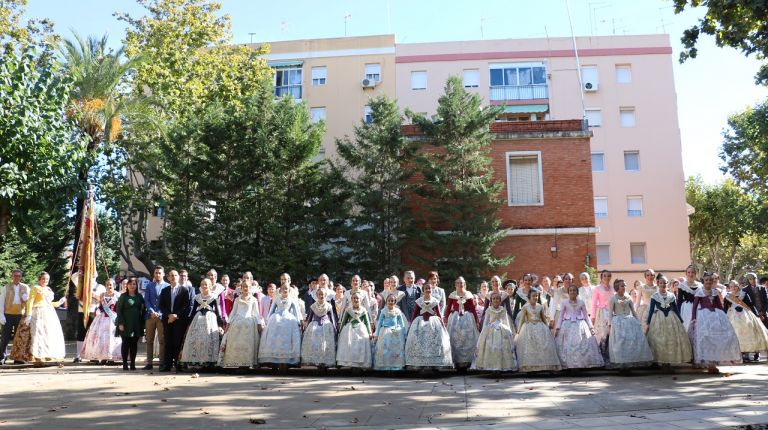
(532, 254)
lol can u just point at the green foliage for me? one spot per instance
(40, 151)
(107, 256)
(745, 149)
(742, 25)
(189, 57)
(459, 223)
(246, 194)
(726, 219)
(18, 33)
(378, 182)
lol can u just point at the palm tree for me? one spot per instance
(99, 101)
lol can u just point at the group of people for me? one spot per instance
(531, 325)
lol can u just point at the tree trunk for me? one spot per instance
(5, 218)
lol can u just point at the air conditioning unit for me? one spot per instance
(368, 83)
(590, 86)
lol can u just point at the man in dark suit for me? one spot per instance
(412, 293)
(176, 307)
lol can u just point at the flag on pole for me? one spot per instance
(87, 258)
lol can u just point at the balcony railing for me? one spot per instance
(291, 90)
(519, 92)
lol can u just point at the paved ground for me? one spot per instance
(94, 396)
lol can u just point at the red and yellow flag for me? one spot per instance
(87, 258)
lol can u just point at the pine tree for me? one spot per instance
(458, 224)
(378, 181)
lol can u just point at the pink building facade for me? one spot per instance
(630, 103)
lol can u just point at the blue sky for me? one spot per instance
(709, 88)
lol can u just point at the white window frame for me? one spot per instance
(623, 77)
(373, 71)
(603, 215)
(597, 254)
(626, 110)
(367, 113)
(602, 156)
(637, 154)
(317, 109)
(631, 212)
(586, 71)
(319, 76)
(645, 252)
(418, 86)
(474, 82)
(509, 154)
(599, 113)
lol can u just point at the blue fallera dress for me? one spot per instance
(392, 330)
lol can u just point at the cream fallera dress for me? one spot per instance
(536, 349)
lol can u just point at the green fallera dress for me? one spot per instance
(130, 313)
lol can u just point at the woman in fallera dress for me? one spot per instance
(752, 334)
(39, 338)
(521, 296)
(355, 336)
(645, 291)
(506, 299)
(390, 289)
(600, 314)
(536, 349)
(574, 335)
(585, 290)
(496, 344)
(462, 324)
(712, 335)
(686, 293)
(559, 295)
(664, 328)
(281, 342)
(480, 299)
(101, 342)
(390, 336)
(203, 339)
(240, 345)
(627, 344)
(428, 344)
(318, 347)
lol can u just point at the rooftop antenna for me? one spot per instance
(251, 34)
(347, 17)
(482, 22)
(578, 62)
(663, 22)
(593, 8)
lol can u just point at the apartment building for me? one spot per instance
(626, 93)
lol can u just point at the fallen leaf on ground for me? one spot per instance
(355, 420)
(257, 421)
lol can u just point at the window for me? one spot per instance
(598, 162)
(319, 74)
(524, 184)
(419, 80)
(373, 72)
(367, 115)
(159, 208)
(637, 253)
(635, 206)
(594, 117)
(288, 82)
(471, 78)
(589, 77)
(317, 114)
(632, 161)
(601, 207)
(603, 254)
(627, 116)
(320, 155)
(518, 81)
(623, 73)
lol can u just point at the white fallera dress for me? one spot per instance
(318, 347)
(281, 340)
(752, 334)
(687, 292)
(240, 345)
(712, 335)
(627, 345)
(355, 339)
(462, 328)
(496, 344)
(100, 340)
(202, 343)
(428, 343)
(536, 349)
(577, 347)
(646, 291)
(585, 294)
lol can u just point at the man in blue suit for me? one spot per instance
(153, 323)
(412, 293)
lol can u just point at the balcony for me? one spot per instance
(291, 90)
(518, 92)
